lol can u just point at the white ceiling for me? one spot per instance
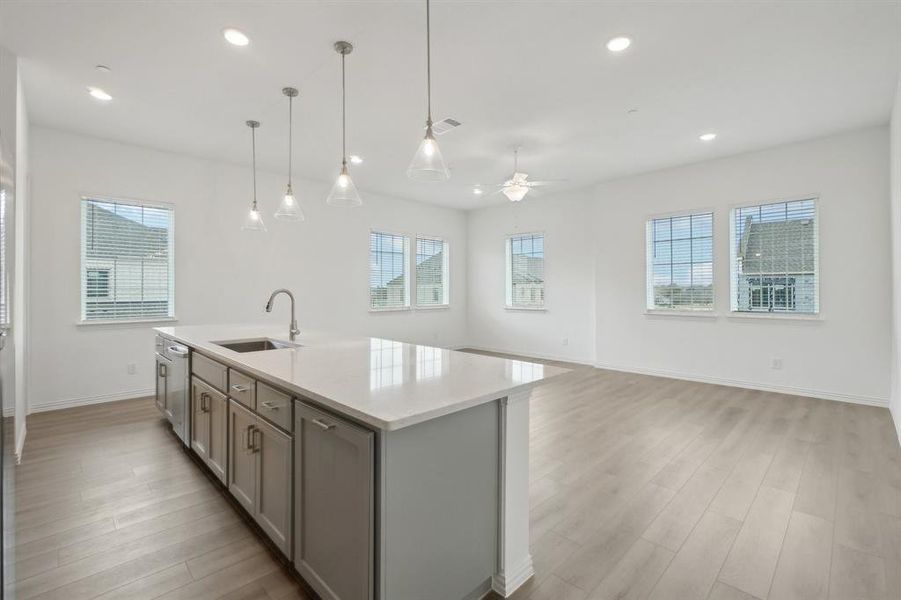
(535, 74)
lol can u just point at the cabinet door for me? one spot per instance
(200, 418)
(162, 393)
(217, 458)
(273, 452)
(242, 458)
(334, 481)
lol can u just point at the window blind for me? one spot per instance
(680, 262)
(775, 263)
(431, 272)
(127, 261)
(525, 271)
(389, 268)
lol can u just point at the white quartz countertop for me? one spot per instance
(383, 383)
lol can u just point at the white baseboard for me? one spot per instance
(779, 389)
(558, 358)
(88, 400)
(507, 583)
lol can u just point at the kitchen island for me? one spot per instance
(381, 469)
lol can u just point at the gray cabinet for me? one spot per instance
(260, 471)
(218, 412)
(209, 426)
(242, 460)
(274, 484)
(162, 393)
(334, 508)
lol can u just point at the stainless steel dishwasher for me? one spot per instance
(172, 387)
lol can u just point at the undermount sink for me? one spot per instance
(257, 345)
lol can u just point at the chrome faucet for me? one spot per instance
(293, 331)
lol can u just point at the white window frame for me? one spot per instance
(508, 279)
(733, 267)
(408, 259)
(649, 280)
(446, 274)
(82, 262)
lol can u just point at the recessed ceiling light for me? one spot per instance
(235, 37)
(96, 92)
(477, 191)
(355, 159)
(618, 44)
(707, 137)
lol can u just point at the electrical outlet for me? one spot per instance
(132, 368)
(566, 341)
(776, 363)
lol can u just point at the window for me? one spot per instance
(127, 261)
(389, 271)
(431, 272)
(97, 283)
(775, 266)
(680, 262)
(525, 271)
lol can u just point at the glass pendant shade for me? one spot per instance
(515, 192)
(289, 209)
(427, 163)
(254, 220)
(344, 192)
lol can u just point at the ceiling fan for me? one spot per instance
(518, 185)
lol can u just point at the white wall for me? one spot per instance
(843, 355)
(223, 274)
(569, 279)
(895, 161)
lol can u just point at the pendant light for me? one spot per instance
(289, 209)
(427, 163)
(344, 192)
(254, 220)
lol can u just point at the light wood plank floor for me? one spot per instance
(641, 487)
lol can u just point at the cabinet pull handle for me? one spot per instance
(248, 440)
(269, 405)
(204, 407)
(323, 425)
(256, 447)
(240, 388)
(162, 369)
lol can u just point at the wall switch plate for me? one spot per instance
(776, 363)
(132, 368)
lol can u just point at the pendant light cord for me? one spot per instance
(343, 114)
(253, 144)
(290, 131)
(428, 59)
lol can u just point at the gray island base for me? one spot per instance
(380, 469)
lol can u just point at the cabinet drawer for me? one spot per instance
(274, 406)
(242, 388)
(210, 371)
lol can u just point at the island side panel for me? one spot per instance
(438, 512)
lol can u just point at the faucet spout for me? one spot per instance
(292, 328)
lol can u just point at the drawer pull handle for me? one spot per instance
(240, 388)
(323, 425)
(269, 405)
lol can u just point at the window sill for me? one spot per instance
(776, 316)
(391, 309)
(526, 308)
(693, 314)
(124, 322)
(434, 307)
